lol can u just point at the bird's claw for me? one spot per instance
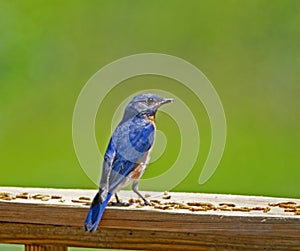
(119, 204)
(147, 203)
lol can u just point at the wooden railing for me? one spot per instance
(52, 219)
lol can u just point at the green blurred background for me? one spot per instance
(249, 50)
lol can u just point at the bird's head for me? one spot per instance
(144, 104)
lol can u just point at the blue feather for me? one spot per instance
(141, 137)
(141, 134)
(95, 214)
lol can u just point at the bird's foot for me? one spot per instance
(146, 202)
(119, 204)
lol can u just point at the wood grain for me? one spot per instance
(30, 247)
(60, 224)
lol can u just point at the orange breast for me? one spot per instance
(139, 169)
(151, 119)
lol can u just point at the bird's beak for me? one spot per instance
(165, 101)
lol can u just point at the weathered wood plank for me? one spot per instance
(33, 221)
(145, 239)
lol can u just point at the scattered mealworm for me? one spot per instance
(56, 197)
(290, 210)
(38, 196)
(163, 207)
(195, 209)
(155, 201)
(147, 195)
(5, 194)
(227, 204)
(225, 208)
(201, 204)
(258, 208)
(273, 204)
(241, 209)
(84, 198)
(171, 204)
(166, 197)
(287, 204)
(46, 198)
(194, 203)
(183, 206)
(138, 206)
(78, 201)
(131, 200)
(297, 212)
(7, 198)
(22, 196)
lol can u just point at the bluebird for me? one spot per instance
(127, 154)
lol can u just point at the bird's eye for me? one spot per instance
(150, 101)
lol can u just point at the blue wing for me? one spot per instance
(129, 143)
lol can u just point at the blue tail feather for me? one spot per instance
(95, 214)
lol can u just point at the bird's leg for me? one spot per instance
(117, 198)
(119, 203)
(136, 190)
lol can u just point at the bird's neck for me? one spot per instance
(151, 118)
(131, 114)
